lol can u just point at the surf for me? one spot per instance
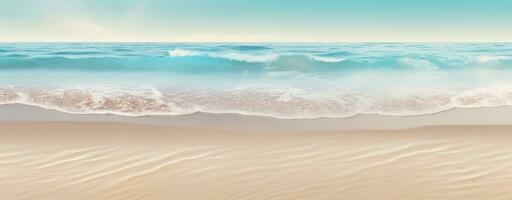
(289, 81)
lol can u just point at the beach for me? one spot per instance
(47, 154)
(255, 100)
(255, 121)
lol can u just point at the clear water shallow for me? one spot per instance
(278, 80)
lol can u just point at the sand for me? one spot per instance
(95, 158)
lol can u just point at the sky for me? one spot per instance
(255, 20)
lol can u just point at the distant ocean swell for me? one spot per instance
(276, 80)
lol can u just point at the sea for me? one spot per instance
(280, 80)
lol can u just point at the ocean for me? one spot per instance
(281, 80)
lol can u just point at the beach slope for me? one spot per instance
(111, 160)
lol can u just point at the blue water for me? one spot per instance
(279, 80)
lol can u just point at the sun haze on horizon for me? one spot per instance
(255, 21)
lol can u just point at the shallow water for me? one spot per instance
(277, 80)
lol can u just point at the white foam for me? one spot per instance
(181, 53)
(484, 59)
(250, 58)
(284, 103)
(484, 97)
(327, 59)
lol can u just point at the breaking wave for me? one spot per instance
(250, 58)
(235, 56)
(181, 53)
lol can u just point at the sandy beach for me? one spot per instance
(88, 157)
(255, 100)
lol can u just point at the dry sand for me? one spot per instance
(116, 160)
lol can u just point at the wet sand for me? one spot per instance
(121, 160)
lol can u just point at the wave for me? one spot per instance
(184, 61)
(249, 48)
(411, 61)
(181, 53)
(77, 53)
(290, 103)
(241, 57)
(250, 58)
(485, 59)
(273, 57)
(301, 81)
(121, 101)
(186, 65)
(419, 63)
(327, 59)
(16, 56)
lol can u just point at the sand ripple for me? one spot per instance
(319, 167)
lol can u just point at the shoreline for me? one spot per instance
(47, 154)
(238, 122)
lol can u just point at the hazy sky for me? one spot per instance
(256, 20)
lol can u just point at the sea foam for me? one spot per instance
(180, 53)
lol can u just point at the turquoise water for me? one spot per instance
(279, 80)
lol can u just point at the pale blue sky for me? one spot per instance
(256, 20)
